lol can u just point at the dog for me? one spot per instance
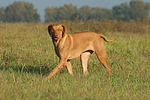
(69, 46)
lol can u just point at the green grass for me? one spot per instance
(27, 56)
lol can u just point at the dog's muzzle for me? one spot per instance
(55, 37)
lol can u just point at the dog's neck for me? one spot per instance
(56, 42)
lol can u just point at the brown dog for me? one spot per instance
(69, 46)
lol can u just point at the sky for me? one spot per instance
(42, 4)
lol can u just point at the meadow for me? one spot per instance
(27, 56)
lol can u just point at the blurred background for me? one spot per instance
(56, 10)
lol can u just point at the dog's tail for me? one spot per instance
(102, 36)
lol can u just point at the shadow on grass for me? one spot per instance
(38, 69)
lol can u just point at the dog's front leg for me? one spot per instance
(56, 69)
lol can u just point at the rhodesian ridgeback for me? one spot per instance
(69, 46)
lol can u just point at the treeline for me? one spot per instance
(25, 12)
(135, 10)
(19, 12)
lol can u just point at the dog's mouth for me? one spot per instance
(55, 38)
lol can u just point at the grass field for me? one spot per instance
(27, 56)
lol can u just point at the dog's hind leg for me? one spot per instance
(69, 67)
(84, 61)
(101, 55)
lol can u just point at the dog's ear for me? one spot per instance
(49, 28)
(63, 32)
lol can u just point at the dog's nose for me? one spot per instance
(56, 35)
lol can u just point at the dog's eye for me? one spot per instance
(52, 30)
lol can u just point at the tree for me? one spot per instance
(66, 12)
(147, 7)
(136, 10)
(139, 9)
(101, 13)
(84, 12)
(62, 13)
(51, 14)
(21, 12)
(121, 12)
(2, 14)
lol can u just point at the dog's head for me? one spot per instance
(56, 31)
